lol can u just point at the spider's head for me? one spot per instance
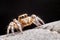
(22, 16)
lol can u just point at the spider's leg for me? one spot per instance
(40, 20)
(37, 24)
(12, 29)
(20, 28)
(8, 29)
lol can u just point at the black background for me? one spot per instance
(48, 10)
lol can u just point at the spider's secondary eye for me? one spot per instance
(25, 16)
(20, 17)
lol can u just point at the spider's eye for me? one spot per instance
(22, 17)
(25, 16)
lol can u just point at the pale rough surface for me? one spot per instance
(34, 34)
(54, 26)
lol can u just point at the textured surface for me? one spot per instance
(34, 34)
(53, 26)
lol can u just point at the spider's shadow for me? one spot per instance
(29, 27)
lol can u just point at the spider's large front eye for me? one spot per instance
(22, 17)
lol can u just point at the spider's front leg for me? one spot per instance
(20, 28)
(10, 27)
(18, 25)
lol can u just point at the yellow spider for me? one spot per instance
(23, 21)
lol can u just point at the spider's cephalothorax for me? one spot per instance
(23, 21)
(26, 20)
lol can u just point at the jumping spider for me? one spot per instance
(23, 21)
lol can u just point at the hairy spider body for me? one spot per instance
(23, 21)
(26, 21)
